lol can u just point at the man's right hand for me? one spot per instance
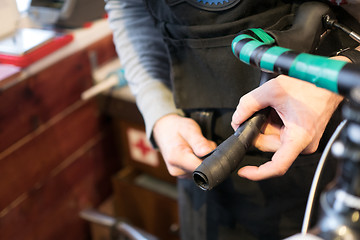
(180, 141)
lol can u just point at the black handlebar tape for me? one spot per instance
(225, 159)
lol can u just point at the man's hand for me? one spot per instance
(301, 114)
(180, 141)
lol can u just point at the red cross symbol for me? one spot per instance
(144, 148)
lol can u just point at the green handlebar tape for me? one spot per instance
(259, 33)
(270, 56)
(248, 49)
(321, 71)
(264, 36)
(238, 38)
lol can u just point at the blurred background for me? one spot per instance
(74, 159)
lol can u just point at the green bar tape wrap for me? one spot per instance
(261, 34)
(238, 39)
(321, 71)
(264, 36)
(270, 56)
(248, 49)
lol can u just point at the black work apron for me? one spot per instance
(205, 72)
(207, 76)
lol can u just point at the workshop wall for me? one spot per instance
(57, 155)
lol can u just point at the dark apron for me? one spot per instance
(206, 77)
(205, 72)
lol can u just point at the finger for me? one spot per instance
(279, 164)
(267, 170)
(205, 150)
(271, 129)
(189, 162)
(250, 103)
(312, 147)
(182, 162)
(246, 108)
(267, 143)
(197, 142)
(186, 175)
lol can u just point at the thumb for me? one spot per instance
(199, 144)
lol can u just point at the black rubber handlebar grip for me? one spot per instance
(225, 159)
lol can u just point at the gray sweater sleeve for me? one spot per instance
(143, 55)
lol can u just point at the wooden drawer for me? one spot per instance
(146, 202)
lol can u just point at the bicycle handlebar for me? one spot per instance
(257, 47)
(254, 47)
